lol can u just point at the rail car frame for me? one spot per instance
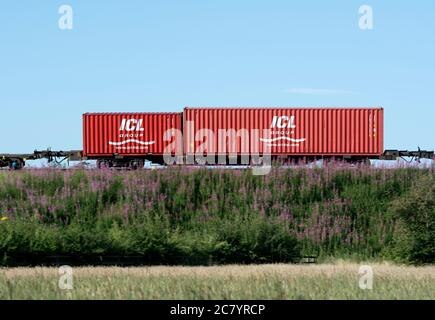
(18, 161)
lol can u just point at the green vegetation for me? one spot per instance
(415, 237)
(202, 217)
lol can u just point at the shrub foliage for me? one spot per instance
(200, 216)
(415, 235)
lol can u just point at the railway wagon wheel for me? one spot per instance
(103, 163)
(133, 164)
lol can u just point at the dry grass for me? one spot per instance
(281, 281)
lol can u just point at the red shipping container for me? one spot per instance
(293, 131)
(127, 134)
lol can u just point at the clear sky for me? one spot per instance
(164, 55)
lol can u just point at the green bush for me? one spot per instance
(183, 216)
(254, 239)
(415, 234)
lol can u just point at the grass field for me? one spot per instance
(273, 281)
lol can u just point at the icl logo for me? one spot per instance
(283, 122)
(131, 125)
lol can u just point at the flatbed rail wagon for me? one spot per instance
(127, 140)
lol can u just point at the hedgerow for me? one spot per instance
(203, 216)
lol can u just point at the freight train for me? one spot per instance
(227, 135)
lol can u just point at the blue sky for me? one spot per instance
(162, 56)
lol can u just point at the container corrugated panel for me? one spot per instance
(127, 134)
(293, 131)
